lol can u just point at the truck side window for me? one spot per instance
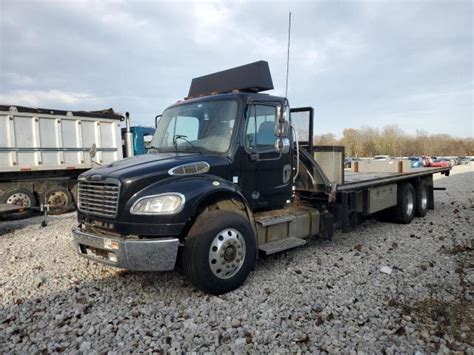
(260, 130)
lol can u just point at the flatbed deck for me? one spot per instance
(354, 181)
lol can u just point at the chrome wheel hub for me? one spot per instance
(227, 253)
(410, 204)
(19, 199)
(424, 199)
(58, 200)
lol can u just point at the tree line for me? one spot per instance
(393, 141)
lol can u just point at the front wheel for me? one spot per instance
(219, 251)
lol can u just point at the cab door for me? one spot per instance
(271, 170)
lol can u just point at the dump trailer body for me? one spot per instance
(42, 151)
(41, 140)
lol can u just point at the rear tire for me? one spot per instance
(422, 199)
(219, 251)
(406, 202)
(59, 200)
(19, 197)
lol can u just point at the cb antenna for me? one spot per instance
(288, 54)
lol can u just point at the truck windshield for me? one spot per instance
(200, 126)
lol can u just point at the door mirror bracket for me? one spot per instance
(281, 129)
(282, 145)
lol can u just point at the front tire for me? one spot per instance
(219, 252)
(406, 203)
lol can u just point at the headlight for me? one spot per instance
(168, 203)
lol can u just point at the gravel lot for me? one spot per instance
(329, 296)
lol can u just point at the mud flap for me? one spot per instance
(327, 225)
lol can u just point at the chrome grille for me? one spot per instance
(98, 197)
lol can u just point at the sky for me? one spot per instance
(372, 63)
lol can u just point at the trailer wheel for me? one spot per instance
(219, 251)
(406, 203)
(59, 200)
(20, 197)
(422, 198)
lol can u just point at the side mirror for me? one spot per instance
(281, 128)
(282, 145)
(284, 114)
(281, 124)
(157, 117)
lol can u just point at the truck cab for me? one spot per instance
(227, 178)
(226, 153)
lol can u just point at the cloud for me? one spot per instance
(17, 79)
(211, 22)
(42, 98)
(355, 62)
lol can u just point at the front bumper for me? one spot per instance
(143, 254)
(145, 226)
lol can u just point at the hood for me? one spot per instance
(149, 165)
(142, 170)
(139, 165)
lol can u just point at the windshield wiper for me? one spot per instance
(153, 147)
(184, 138)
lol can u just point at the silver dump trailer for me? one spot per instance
(43, 151)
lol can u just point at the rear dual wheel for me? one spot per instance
(59, 200)
(412, 202)
(422, 198)
(219, 251)
(19, 197)
(405, 203)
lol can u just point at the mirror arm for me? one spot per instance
(156, 120)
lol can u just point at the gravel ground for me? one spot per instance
(329, 296)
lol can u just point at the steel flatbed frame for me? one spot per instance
(355, 181)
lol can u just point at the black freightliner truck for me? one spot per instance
(229, 177)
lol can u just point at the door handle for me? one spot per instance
(254, 156)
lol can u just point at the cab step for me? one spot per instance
(276, 246)
(271, 220)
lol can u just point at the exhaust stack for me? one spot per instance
(128, 137)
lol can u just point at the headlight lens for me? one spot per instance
(168, 203)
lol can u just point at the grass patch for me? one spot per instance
(454, 319)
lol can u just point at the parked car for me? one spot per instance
(416, 162)
(452, 160)
(465, 161)
(382, 157)
(440, 163)
(427, 161)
